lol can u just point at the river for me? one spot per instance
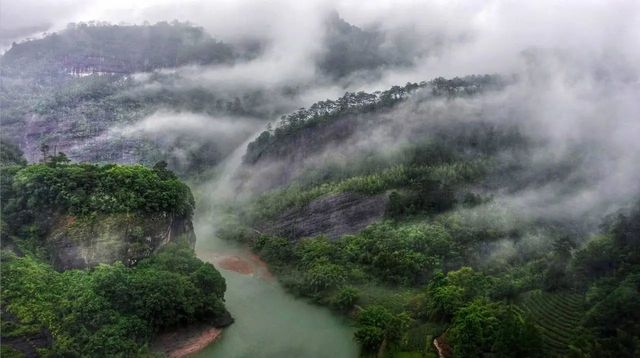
(269, 322)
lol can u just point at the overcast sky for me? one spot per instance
(477, 36)
(495, 23)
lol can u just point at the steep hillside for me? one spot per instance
(328, 141)
(105, 93)
(350, 49)
(396, 209)
(77, 92)
(326, 122)
(97, 118)
(351, 52)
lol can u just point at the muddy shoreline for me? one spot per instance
(186, 341)
(246, 264)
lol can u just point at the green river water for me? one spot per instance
(269, 322)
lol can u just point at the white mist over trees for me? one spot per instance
(459, 171)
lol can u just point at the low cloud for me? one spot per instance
(575, 94)
(169, 125)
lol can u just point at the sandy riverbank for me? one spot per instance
(243, 264)
(186, 341)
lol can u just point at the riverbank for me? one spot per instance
(269, 322)
(186, 341)
(245, 263)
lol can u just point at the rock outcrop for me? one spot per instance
(86, 242)
(332, 216)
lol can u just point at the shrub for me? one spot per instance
(276, 250)
(376, 323)
(345, 299)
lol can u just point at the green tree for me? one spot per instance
(376, 324)
(111, 310)
(445, 295)
(323, 275)
(276, 250)
(59, 159)
(346, 298)
(482, 328)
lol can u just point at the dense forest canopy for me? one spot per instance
(58, 186)
(111, 309)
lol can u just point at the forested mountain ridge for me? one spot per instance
(87, 252)
(84, 89)
(319, 115)
(351, 52)
(396, 213)
(83, 49)
(350, 49)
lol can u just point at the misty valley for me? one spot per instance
(321, 179)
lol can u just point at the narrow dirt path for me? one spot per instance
(438, 348)
(444, 350)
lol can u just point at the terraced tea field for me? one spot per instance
(557, 315)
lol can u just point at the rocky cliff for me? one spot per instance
(332, 216)
(86, 242)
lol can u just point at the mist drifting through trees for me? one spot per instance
(381, 178)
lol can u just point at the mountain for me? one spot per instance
(395, 208)
(85, 90)
(75, 92)
(83, 49)
(349, 50)
(445, 217)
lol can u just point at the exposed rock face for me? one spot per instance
(332, 216)
(80, 140)
(86, 242)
